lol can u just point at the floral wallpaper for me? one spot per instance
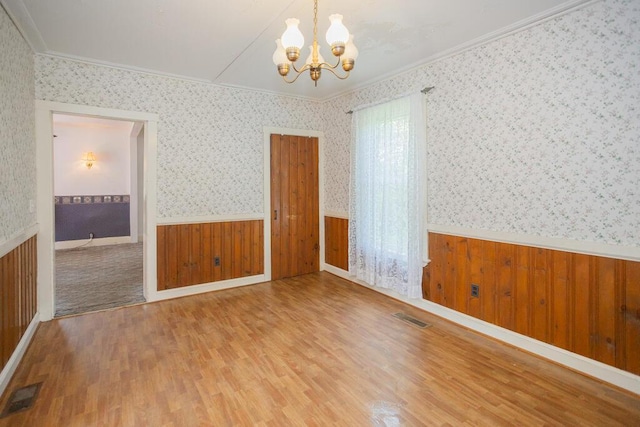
(210, 138)
(535, 133)
(17, 131)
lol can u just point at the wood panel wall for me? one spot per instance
(18, 301)
(585, 304)
(336, 242)
(186, 252)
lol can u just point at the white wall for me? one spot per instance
(17, 132)
(109, 142)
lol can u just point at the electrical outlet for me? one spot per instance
(91, 235)
(216, 261)
(475, 290)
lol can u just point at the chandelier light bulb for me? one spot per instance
(292, 37)
(310, 57)
(337, 33)
(280, 55)
(350, 50)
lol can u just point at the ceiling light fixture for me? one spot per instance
(289, 45)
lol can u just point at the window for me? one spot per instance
(388, 195)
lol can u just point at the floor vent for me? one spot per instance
(21, 399)
(412, 320)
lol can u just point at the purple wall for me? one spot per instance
(104, 216)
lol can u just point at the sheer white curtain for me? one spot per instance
(387, 239)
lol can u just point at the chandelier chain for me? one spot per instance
(315, 20)
(314, 49)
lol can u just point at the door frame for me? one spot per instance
(135, 229)
(45, 212)
(268, 131)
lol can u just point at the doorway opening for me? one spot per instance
(97, 177)
(145, 187)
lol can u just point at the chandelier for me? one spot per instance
(289, 45)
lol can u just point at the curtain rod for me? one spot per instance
(425, 91)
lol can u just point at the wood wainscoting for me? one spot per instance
(187, 252)
(585, 304)
(18, 301)
(336, 242)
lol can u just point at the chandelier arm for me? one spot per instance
(304, 68)
(336, 74)
(295, 78)
(327, 66)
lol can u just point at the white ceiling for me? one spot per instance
(231, 42)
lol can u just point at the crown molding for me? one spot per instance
(522, 25)
(24, 23)
(154, 73)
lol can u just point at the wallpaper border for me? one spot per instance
(90, 199)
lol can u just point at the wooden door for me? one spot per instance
(295, 229)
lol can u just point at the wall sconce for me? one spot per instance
(89, 159)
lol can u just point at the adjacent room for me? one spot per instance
(98, 252)
(374, 213)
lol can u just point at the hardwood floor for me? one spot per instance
(309, 350)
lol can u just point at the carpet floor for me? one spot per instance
(97, 278)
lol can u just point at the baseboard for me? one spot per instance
(104, 241)
(205, 287)
(337, 271)
(590, 367)
(16, 357)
